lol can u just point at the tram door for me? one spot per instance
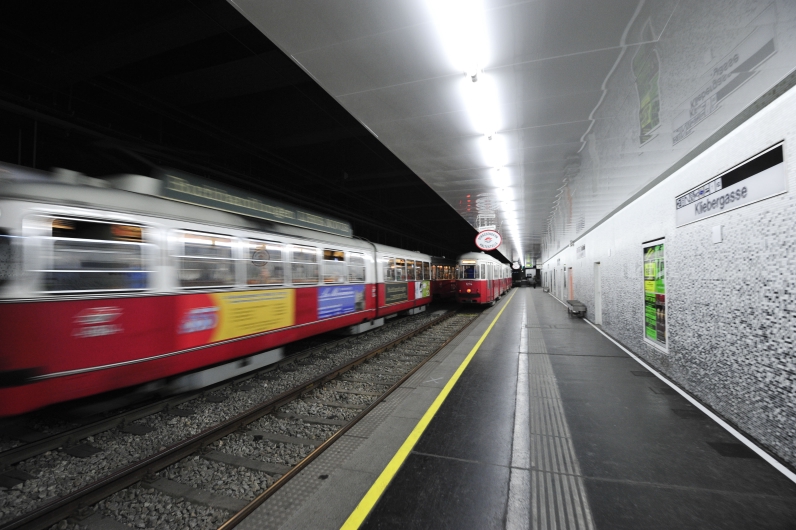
(598, 295)
(488, 279)
(571, 286)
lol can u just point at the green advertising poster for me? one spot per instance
(654, 295)
(422, 290)
(646, 69)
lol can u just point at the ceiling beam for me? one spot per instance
(137, 44)
(251, 75)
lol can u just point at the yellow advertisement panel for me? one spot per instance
(247, 313)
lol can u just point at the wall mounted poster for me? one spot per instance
(654, 295)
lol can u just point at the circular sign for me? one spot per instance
(515, 265)
(488, 240)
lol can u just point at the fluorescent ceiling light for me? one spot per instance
(494, 150)
(481, 102)
(461, 26)
(502, 194)
(500, 177)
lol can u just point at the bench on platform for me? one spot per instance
(576, 307)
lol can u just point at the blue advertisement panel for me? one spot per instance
(340, 300)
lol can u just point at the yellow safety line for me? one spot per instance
(367, 503)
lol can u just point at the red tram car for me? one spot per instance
(481, 279)
(102, 289)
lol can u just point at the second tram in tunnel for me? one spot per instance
(481, 279)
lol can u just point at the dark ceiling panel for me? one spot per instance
(106, 87)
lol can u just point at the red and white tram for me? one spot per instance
(481, 279)
(443, 278)
(102, 289)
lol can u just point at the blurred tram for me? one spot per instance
(102, 289)
(443, 278)
(481, 279)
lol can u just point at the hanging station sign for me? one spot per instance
(488, 240)
(758, 178)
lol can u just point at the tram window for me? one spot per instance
(469, 272)
(206, 261)
(356, 268)
(264, 263)
(400, 270)
(389, 270)
(426, 270)
(483, 271)
(86, 255)
(304, 267)
(410, 270)
(333, 266)
(10, 258)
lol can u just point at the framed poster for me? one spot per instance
(655, 294)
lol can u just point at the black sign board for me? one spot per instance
(395, 292)
(186, 187)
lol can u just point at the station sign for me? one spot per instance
(488, 240)
(758, 178)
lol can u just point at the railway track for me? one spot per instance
(258, 449)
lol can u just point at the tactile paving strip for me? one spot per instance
(277, 510)
(546, 467)
(367, 425)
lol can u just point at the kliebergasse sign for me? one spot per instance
(758, 178)
(488, 240)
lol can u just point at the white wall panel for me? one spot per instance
(731, 306)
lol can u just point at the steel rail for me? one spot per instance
(53, 512)
(72, 436)
(284, 479)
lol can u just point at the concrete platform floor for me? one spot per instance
(551, 425)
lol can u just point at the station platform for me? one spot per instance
(534, 419)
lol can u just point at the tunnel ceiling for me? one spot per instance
(125, 87)
(365, 110)
(586, 103)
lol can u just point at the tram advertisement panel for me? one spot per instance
(213, 317)
(395, 292)
(422, 290)
(340, 300)
(654, 295)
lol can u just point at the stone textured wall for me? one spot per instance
(731, 306)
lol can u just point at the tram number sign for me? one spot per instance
(488, 240)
